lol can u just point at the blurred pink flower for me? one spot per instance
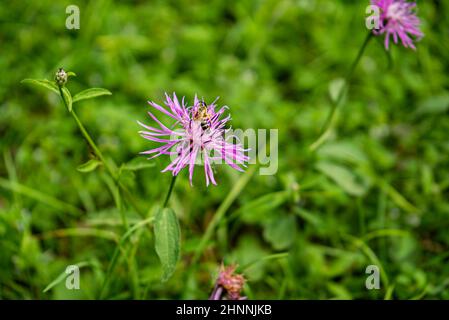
(398, 19)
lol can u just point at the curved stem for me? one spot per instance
(114, 176)
(115, 183)
(87, 136)
(99, 154)
(93, 145)
(335, 103)
(170, 189)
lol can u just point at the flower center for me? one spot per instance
(396, 11)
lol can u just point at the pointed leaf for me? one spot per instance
(281, 232)
(50, 85)
(264, 206)
(343, 177)
(346, 151)
(64, 275)
(90, 93)
(167, 240)
(127, 178)
(89, 166)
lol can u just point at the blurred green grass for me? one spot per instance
(375, 193)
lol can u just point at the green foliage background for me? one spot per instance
(375, 193)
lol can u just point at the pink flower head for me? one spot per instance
(398, 19)
(197, 137)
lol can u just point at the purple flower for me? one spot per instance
(197, 137)
(398, 19)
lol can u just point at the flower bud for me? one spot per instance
(61, 77)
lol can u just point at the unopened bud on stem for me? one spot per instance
(61, 77)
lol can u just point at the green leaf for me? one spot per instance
(346, 151)
(281, 232)
(67, 98)
(136, 164)
(308, 216)
(167, 240)
(127, 178)
(71, 74)
(398, 198)
(434, 105)
(50, 85)
(342, 176)
(90, 93)
(338, 291)
(255, 209)
(64, 275)
(247, 252)
(89, 166)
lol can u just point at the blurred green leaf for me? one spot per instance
(63, 275)
(50, 85)
(167, 240)
(308, 216)
(339, 291)
(90, 93)
(398, 198)
(136, 164)
(281, 232)
(434, 105)
(252, 211)
(128, 178)
(344, 151)
(248, 251)
(39, 196)
(342, 176)
(89, 166)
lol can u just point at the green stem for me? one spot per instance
(325, 132)
(87, 137)
(170, 189)
(106, 165)
(120, 248)
(62, 97)
(120, 187)
(359, 55)
(93, 145)
(99, 154)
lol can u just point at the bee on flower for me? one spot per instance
(196, 137)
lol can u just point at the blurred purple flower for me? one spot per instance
(197, 137)
(398, 19)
